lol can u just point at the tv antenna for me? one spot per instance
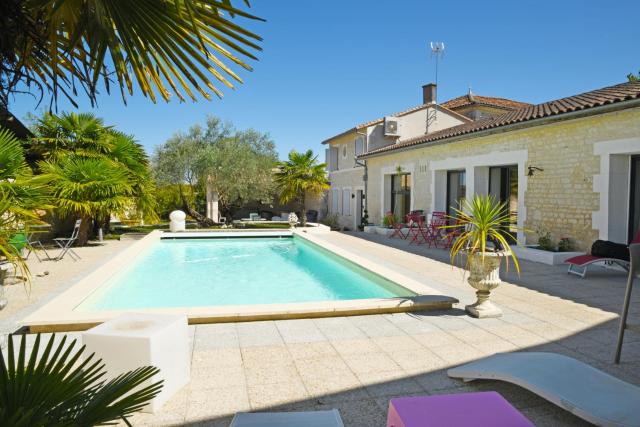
(437, 50)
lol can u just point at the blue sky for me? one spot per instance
(328, 65)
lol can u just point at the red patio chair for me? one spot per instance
(398, 228)
(434, 230)
(452, 235)
(418, 231)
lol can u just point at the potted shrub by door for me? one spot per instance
(482, 226)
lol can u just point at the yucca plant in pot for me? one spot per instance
(482, 225)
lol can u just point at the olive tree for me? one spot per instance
(235, 165)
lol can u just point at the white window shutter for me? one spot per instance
(359, 146)
(346, 202)
(334, 158)
(335, 195)
(327, 158)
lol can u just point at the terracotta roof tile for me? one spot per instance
(398, 114)
(473, 99)
(608, 95)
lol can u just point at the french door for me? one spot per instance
(503, 185)
(456, 190)
(401, 195)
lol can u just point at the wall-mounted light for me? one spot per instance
(533, 169)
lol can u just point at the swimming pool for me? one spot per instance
(237, 271)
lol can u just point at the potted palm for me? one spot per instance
(483, 241)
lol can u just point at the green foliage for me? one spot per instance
(95, 170)
(389, 219)
(20, 196)
(479, 221)
(365, 218)
(87, 187)
(17, 185)
(168, 199)
(237, 164)
(54, 386)
(331, 221)
(633, 77)
(545, 241)
(168, 48)
(301, 176)
(565, 245)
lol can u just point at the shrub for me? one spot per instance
(565, 245)
(389, 219)
(545, 242)
(332, 221)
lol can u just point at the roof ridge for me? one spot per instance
(582, 101)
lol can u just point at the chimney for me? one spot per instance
(429, 93)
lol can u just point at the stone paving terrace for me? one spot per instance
(356, 364)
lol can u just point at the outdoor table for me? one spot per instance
(483, 409)
(133, 340)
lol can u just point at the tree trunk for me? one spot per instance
(303, 213)
(106, 225)
(85, 230)
(203, 221)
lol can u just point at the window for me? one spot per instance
(456, 190)
(335, 195)
(346, 202)
(401, 194)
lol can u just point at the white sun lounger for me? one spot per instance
(577, 387)
(288, 419)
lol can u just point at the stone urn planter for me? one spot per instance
(484, 276)
(293, 220)
(482, 239)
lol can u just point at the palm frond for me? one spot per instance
(54, 385)
(479, 221)
(168, 48)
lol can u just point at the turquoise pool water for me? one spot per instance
(218, 272)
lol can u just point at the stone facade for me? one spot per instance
(346, 176)
(561, 199)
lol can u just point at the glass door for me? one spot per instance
(456, 190)
(401, 195)
(634, 198)
(503, 185)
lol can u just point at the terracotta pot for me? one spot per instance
(484, 276)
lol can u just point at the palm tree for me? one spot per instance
(88, 188)
(167, 47)
(84, 137)
(127, 152)
(301, 176)
(20, 196)
(57, 135)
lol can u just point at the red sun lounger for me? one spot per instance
(578, 264)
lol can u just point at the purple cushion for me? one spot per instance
(484, 409)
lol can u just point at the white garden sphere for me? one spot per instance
(177, 221)
(177, 216)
